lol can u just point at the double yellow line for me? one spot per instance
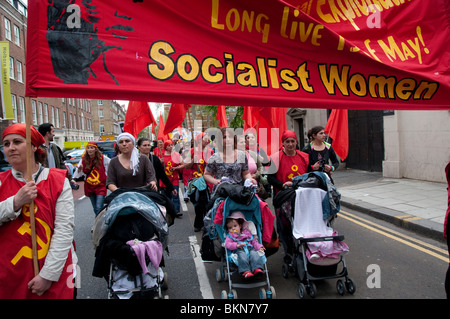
(404, 239)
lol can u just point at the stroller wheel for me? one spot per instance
(220, 275)
(165, 284)
(271, 294)
(262, 293)
(340, 287)
(224, 294)
(285, 270)
(350, 285)
(301, 290)
(311, 289)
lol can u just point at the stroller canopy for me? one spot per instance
(130, 203)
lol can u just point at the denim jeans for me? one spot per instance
(250, 262)
(97, 203)
(176, 199)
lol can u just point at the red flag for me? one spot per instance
(222, 116)
(271, 125)
(161, 129)
(138, 117)
(176, 116)
(250, 116)
(337, 129)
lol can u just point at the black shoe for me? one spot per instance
(197, 229)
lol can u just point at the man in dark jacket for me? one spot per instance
(55, 157)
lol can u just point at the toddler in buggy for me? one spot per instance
(250, 213)
(130, 235)
(240, 241)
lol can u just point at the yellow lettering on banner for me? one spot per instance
(409, 49)
(376, 86)
(305, 31)
(26, 251)
(264, 72)
(245, 20)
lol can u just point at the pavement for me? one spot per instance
(416, 205)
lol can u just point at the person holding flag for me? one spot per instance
(50, 194)
(172, 165)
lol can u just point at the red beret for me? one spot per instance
(287, 134)
(167, 142)
(21, 129)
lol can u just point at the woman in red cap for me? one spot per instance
(51, 193)
(94, 165)
(287, 163)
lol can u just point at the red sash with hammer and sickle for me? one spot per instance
(16, 268)
(95, 183)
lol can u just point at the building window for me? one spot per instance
(7, 29)
(19, 72)
(41, 115)
(16, 35)
(53, 116)
(45, 113)
(22, 109)
(14, 106)
(11, 68)
(100, 102)
(33, 107)
(64, 119)
(57, 117)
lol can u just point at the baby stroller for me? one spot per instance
(229, 268)
(315, 250)
(130, 235)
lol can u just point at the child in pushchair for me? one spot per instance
(254, 222)
(130, 235)
(240, 241)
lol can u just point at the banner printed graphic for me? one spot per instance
(371, 54)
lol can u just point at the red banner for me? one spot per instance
(372, 54)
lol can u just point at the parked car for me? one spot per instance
(74, 157)
(107, 148)
(4, 165)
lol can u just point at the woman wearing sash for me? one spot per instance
(51, 194)
(285, 165)
(95, 165)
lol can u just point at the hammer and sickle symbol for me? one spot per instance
(94, 178)
(200, 166)
(26, 251)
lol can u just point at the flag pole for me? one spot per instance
(29, 178)
(190, 124)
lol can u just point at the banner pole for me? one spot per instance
(190, 124)
(29, 178)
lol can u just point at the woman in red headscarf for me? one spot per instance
(94, 165)
(51, 193)
(287, 163)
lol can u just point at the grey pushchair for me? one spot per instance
(130, 236)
